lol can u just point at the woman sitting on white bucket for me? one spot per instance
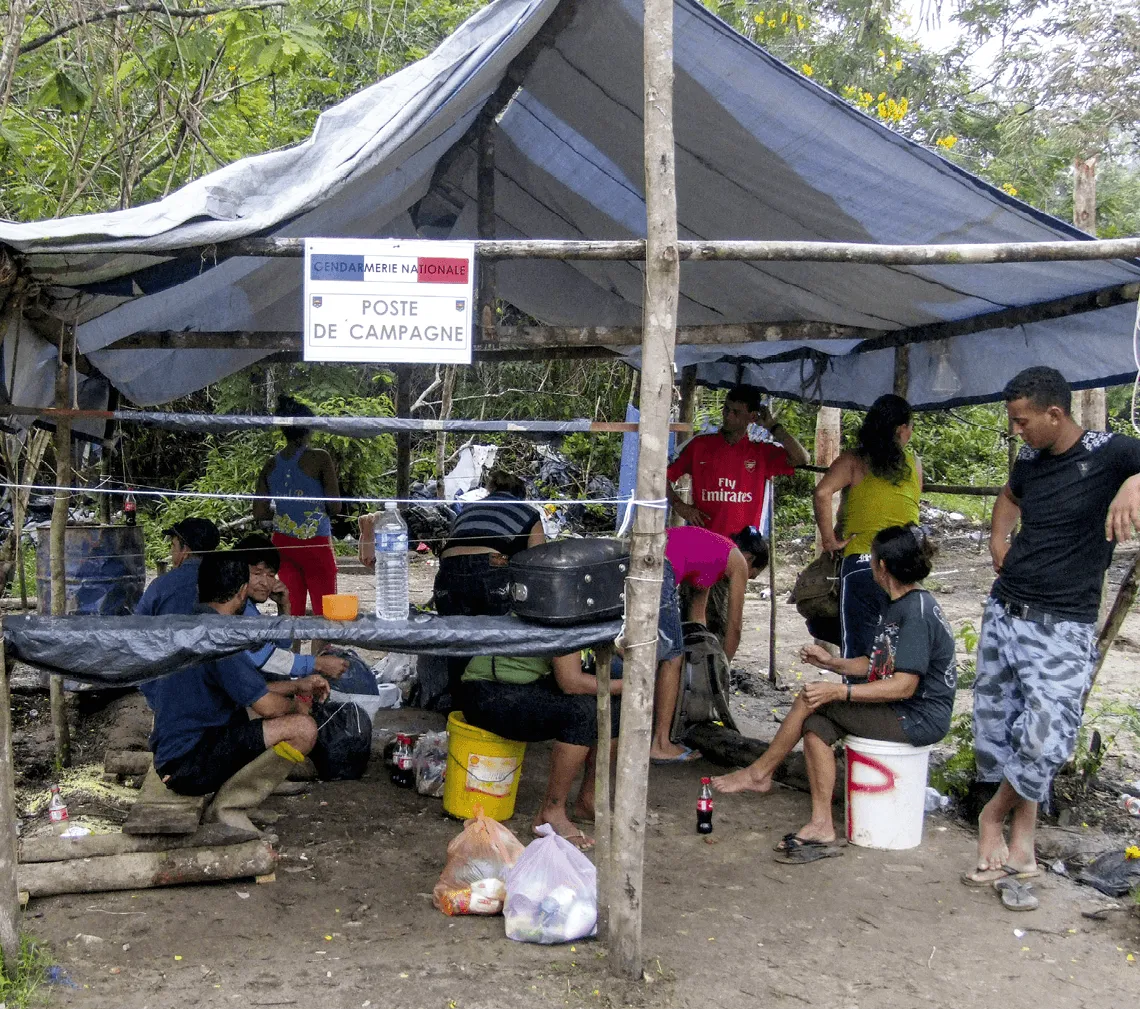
(907, 697)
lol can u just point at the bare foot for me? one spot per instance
(666, 750)
(822, 832)
(992, 850)
(747, 779)
(584, 811)
(558, 819)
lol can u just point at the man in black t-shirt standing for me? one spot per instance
(1076, 493)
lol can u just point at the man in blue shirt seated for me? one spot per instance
(203, 739)
(177, 590)
(276, 660)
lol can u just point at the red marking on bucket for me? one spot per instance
(871, 788)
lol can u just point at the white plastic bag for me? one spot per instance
(429, 758)
(552, 892)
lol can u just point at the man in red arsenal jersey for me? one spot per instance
(729, 472)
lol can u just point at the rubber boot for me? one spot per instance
(251, 786)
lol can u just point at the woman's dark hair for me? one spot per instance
(499, 480)
(259, 549)
(751, 542)
(221, 576)
(906, 550)
(287, 406)
(877, 443)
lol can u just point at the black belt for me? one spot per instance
(1023, 611)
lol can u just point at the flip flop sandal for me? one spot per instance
(688, 756)
(800, 852)
(782, 844)
(1005, 872)
(1016, 896)
(580, 841)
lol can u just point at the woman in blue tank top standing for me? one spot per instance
(298, 478)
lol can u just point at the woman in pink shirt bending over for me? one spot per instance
(701, 558)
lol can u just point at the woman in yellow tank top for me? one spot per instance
(881, 481)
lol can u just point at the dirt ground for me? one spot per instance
(349, 921)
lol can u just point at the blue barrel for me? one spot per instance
(105, 569)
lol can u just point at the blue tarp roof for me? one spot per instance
(762, 153)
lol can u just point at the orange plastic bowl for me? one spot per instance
(340, 607)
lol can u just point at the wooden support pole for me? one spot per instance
(108, 447)
(772, 673)
(9, 891)
(487, 316)
(58, 536)
(441, 438)
(1125, 597)
(689, 391)
(828, 439)
(902, 371)
(643, 587)
(603, 803)
(1090, 409)
(403, 438)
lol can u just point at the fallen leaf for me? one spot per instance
(177, 957)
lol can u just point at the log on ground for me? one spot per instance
(60, 849)
(127, 761)
(729, 748)
(140, 870)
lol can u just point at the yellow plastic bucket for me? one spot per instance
(482, 770)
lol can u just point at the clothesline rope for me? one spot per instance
(428, 502)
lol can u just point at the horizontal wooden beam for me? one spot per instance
(1069, 250)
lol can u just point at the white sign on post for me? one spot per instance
(380, 299)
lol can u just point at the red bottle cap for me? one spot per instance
(706, 781)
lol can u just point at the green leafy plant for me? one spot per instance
(968, 667)
(956, 774)
(21, 987)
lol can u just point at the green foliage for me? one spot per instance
(968, 667)
(1110, 719)
(955, 776)
(30, 975)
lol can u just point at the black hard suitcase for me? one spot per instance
(574, 581)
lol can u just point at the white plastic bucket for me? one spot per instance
(886, 793)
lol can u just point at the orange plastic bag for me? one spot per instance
(474, 878)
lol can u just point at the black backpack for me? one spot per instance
(703, 694)
(344, 740)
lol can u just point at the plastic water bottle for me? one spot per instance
(935, 800)
(130, 509)
(57, 811)
(391, 537)
(1130, 804)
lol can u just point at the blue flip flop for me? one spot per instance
(687, 756)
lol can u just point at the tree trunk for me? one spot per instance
(10, 48)
(828, 443)
(643, 587)
(9, 891)
(63, 849)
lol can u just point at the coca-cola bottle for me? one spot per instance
(403, 774)
(705, 807)
(130, 509)
(57, 811)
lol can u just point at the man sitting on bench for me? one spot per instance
(204, 740)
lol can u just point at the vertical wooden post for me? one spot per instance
(1089, 407)
(403, 438)
(603, 804)
(9, 896)
(828, 436)
(902, 371)
(58, 539)
(441, 437)
(688, 394)
(772, 673)
(485, 196)
(105, 459)
(643, 587)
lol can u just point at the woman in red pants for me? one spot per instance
(297, 479)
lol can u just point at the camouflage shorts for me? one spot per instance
(1027, 698)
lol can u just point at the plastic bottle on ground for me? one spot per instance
(1131, 805)
(391, 538)
(403, 773)
(130, 509)
(57, 811)
(935, 800)
(705, 807)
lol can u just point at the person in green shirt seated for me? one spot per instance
(535, 699)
